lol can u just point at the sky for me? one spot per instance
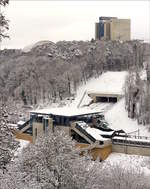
(33, 21)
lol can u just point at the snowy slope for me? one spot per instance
(109, 82)
(115, 114)
(117, 117)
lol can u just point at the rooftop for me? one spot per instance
(95, 133)
(65, 111)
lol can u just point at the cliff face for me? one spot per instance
(48, 71)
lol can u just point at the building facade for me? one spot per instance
(112, 28)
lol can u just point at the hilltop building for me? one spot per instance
(112, 28)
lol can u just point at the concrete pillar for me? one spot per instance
(50, 124)
(37, 130)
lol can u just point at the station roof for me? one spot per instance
(66, 111)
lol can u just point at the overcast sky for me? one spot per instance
(32, 21)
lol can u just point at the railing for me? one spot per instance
(81, 99)
(139, 137)
(132, 140)
(24, 125)
(134, 132)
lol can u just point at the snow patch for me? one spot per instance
(22, 144)
(95, 133)
(20, 122)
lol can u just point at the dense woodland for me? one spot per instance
(50, 71)
(137, 92)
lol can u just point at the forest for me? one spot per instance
(50, 71)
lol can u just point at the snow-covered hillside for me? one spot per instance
(115, 114)
(117, 117)
(109, 82)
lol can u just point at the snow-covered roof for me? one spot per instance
(65, 111)
(20, 122)
(103, 93)
(95, 133)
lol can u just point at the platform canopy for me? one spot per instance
(66, 111)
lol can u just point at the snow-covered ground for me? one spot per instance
(117, 117)
(22, 144)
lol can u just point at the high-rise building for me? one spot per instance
(112, 28)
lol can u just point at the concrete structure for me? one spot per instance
(131, 149)
(99, 152)
(112, 28)
(104, 97)
(131, 144)
(88, 139)
(53, 118)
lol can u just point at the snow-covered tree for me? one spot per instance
(53, 162)
(3, 21)
(7, 143)
(123, 176)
